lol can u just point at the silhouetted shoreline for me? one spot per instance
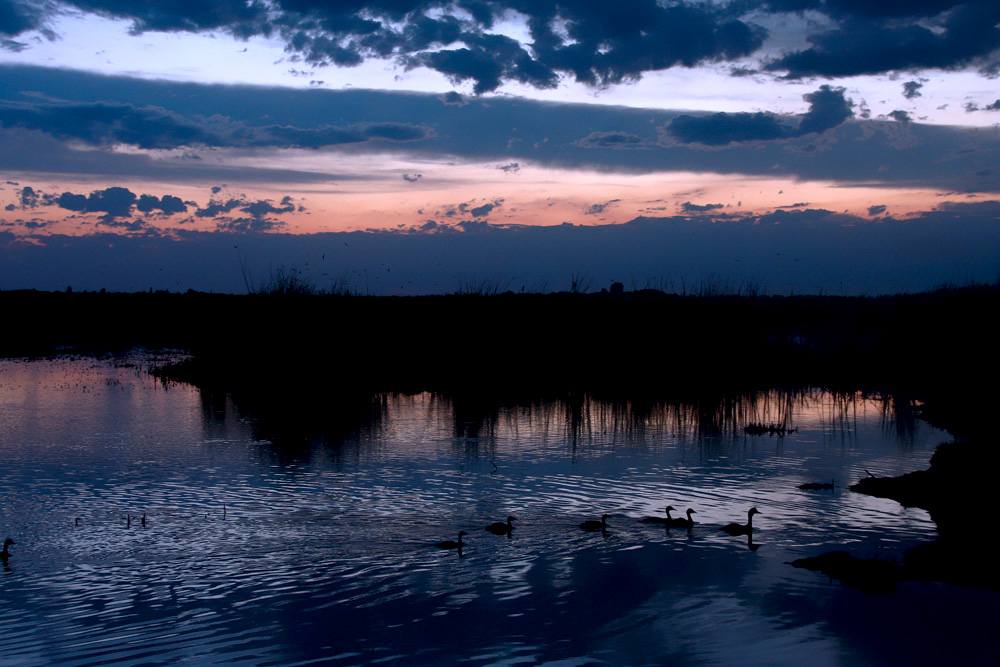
(339, 353)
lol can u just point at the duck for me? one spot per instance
(683, 523)
(6, 548)
(817, 486)
(452, 544)
(668, 520)
(740, 528)
(501, 528)
(593, 524)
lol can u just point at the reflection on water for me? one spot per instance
(260, 552)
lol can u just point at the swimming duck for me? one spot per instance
(817, 486)
(668, 520)
(501, 528)
(740, 528)
(452, 544)
(683, 523)
(6, 548)
(595, 525)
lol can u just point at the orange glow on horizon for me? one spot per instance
(406, 194)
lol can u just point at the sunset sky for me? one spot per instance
(841, 146)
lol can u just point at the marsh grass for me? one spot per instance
(292, 281)
(580, 283)
(482, 286)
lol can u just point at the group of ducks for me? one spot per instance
(507, 527)
(593, 525)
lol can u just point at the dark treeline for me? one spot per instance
(939, 347)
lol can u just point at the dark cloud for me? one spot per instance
(17, 17)
(12, 45)
(901, 116)
(168, 204)
(256, 209)
(216, 208)
(150, 127)
(995, 106)
(453, 98)
(596, 43)
(911, 89)
(472, 226)
(412, 178)
(611, 140)
(510, 167)
(114, 202)
(597, 209)
(30, 198)
(548, 135)
(35, 224)
(828, 108)
(248, 225)
(492, 60)
(481, 211)
(688, 207)
(724, 128)
(243, 18)
(865, 44)
(878, 209)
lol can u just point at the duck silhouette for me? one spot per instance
(666, 520)
(678, 522)
(817, 486)
(5, 554)
(501, 528)
(594, 525)
(741, 528)
(452, 544)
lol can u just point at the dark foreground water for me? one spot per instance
(326, 554)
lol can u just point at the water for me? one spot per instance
(260, 552)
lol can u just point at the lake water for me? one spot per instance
(260, 554)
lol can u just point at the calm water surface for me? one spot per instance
(257, 554)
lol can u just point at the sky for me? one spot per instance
(407, 146)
